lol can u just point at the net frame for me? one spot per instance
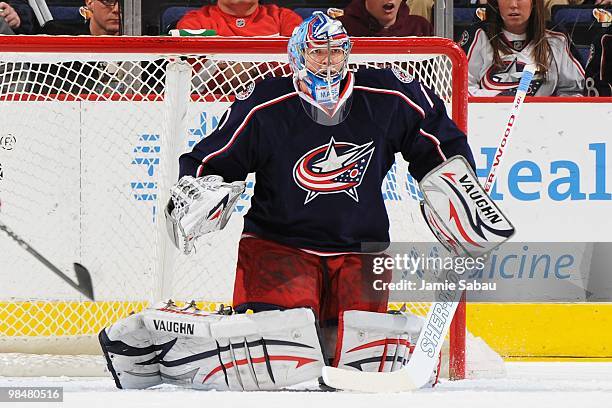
(134, 48)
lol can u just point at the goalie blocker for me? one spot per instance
(459, 212)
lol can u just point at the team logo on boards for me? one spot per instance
(7, 142)
(336, 167)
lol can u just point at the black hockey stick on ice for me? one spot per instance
(440, 316)
(83, 284)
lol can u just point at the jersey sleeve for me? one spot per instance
(26, 15)
(571, 73)
(599, 67)
(233, 150)
(475, 44)
(431, 136)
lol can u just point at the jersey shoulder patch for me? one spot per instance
(465, 37)
(469, 35)
(402, 75)
(254, 94)
(245, 92)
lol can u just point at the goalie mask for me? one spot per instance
(318, 55)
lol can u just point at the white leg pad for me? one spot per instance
(129, 349)
(261, 351)
(377, 342)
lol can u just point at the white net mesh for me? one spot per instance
(95, 140)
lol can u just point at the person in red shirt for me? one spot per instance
(245, 18)
(383, 18)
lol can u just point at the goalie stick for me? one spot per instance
(417, 371)
(521, 92)
(83, 284)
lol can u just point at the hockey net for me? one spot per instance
(92, 128)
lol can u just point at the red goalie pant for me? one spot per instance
(270, 274)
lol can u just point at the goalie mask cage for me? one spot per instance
(92, 128)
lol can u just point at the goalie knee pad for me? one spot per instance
(379, 342)
(261, 351)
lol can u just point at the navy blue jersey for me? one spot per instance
(319, 187)
(599, 66)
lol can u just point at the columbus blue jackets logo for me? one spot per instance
(245, 92)
(337, 167)
(402, 75)
(507, 78)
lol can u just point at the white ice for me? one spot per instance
(537, 385)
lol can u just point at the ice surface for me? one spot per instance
(538, 385)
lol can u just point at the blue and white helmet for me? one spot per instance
(318, 55)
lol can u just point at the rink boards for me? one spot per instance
(554, 185)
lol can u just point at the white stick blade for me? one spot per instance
(397, 381)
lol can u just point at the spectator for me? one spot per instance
(237, 18)
(383, 18)
(242, 18)
(513, 35)
(102, 17)
(423, 8)
(16, 17)
(599, 67)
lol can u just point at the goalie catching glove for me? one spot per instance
(198, 206)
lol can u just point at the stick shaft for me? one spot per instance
(521, 92)
(85, 291)
(421, 363)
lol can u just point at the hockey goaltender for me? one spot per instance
(320, 144)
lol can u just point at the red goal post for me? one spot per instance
(55, 90)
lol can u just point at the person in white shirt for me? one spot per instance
(512, 36)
